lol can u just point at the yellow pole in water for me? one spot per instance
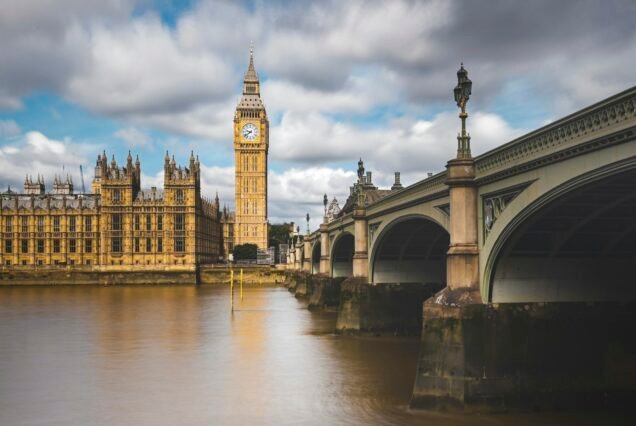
(232, 289)
(241, 283)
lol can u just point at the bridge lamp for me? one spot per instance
(307, 223)
(462, 94)
(464, 87)
(325, 201)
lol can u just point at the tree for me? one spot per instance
(279, 234)
(245, 252)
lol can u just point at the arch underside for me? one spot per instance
(342, 256)
(411, 251)
(315, 259)
(579, 247)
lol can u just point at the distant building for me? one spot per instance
(362, 191)
(116, 227)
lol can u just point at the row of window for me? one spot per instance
(117, 245)
(40, 223)
(117, 222)
(148, 221)
(179, 196)
(246, 185)
(250, 203)
(250, 162)
(247, 228)
(40, 246)
(41, 262)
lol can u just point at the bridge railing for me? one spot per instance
(581, 125)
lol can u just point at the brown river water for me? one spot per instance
(178, 356)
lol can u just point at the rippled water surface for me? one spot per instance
(178, 356)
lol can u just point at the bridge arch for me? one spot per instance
(573, 243)
(342, 250)
(315, 257)
(410, 249)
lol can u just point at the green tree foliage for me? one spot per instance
(245, 252)
(279, 234)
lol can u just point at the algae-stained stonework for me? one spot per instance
(251, 144)
(118, 226)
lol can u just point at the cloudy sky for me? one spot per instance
(340, 80)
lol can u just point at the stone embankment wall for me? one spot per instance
(252, 275)
(382, 308)
(66, 276)
(492, 357)
(87, 276)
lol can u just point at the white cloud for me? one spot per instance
(329, 57)
(218, 179)
(42, 145)
(133, 136)
(406, 145)
(35, 153)
(140, 68)
(9, 128)
(359, 94)
(293, 192)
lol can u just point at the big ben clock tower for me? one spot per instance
(251, 144)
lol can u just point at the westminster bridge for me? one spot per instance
(504, 239)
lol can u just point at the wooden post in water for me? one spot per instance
(232, 289)
(241, 284)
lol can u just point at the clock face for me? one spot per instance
(249, 132)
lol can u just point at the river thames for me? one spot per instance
(177, 355)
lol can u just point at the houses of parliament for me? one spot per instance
(119, 226)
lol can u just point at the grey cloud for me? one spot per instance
(43, 42)
(322, 63)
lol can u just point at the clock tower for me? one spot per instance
(251, 144)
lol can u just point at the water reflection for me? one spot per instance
(177, 355)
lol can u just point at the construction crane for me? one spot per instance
(82, 175)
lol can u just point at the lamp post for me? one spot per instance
(307, 223)
(462, 258)
(325, 201)
(462, 94)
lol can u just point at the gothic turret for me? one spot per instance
(62, 185)
(34, 188)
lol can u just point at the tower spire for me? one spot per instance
(251, 75)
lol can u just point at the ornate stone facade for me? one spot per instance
(116, 227)
(248, 223)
